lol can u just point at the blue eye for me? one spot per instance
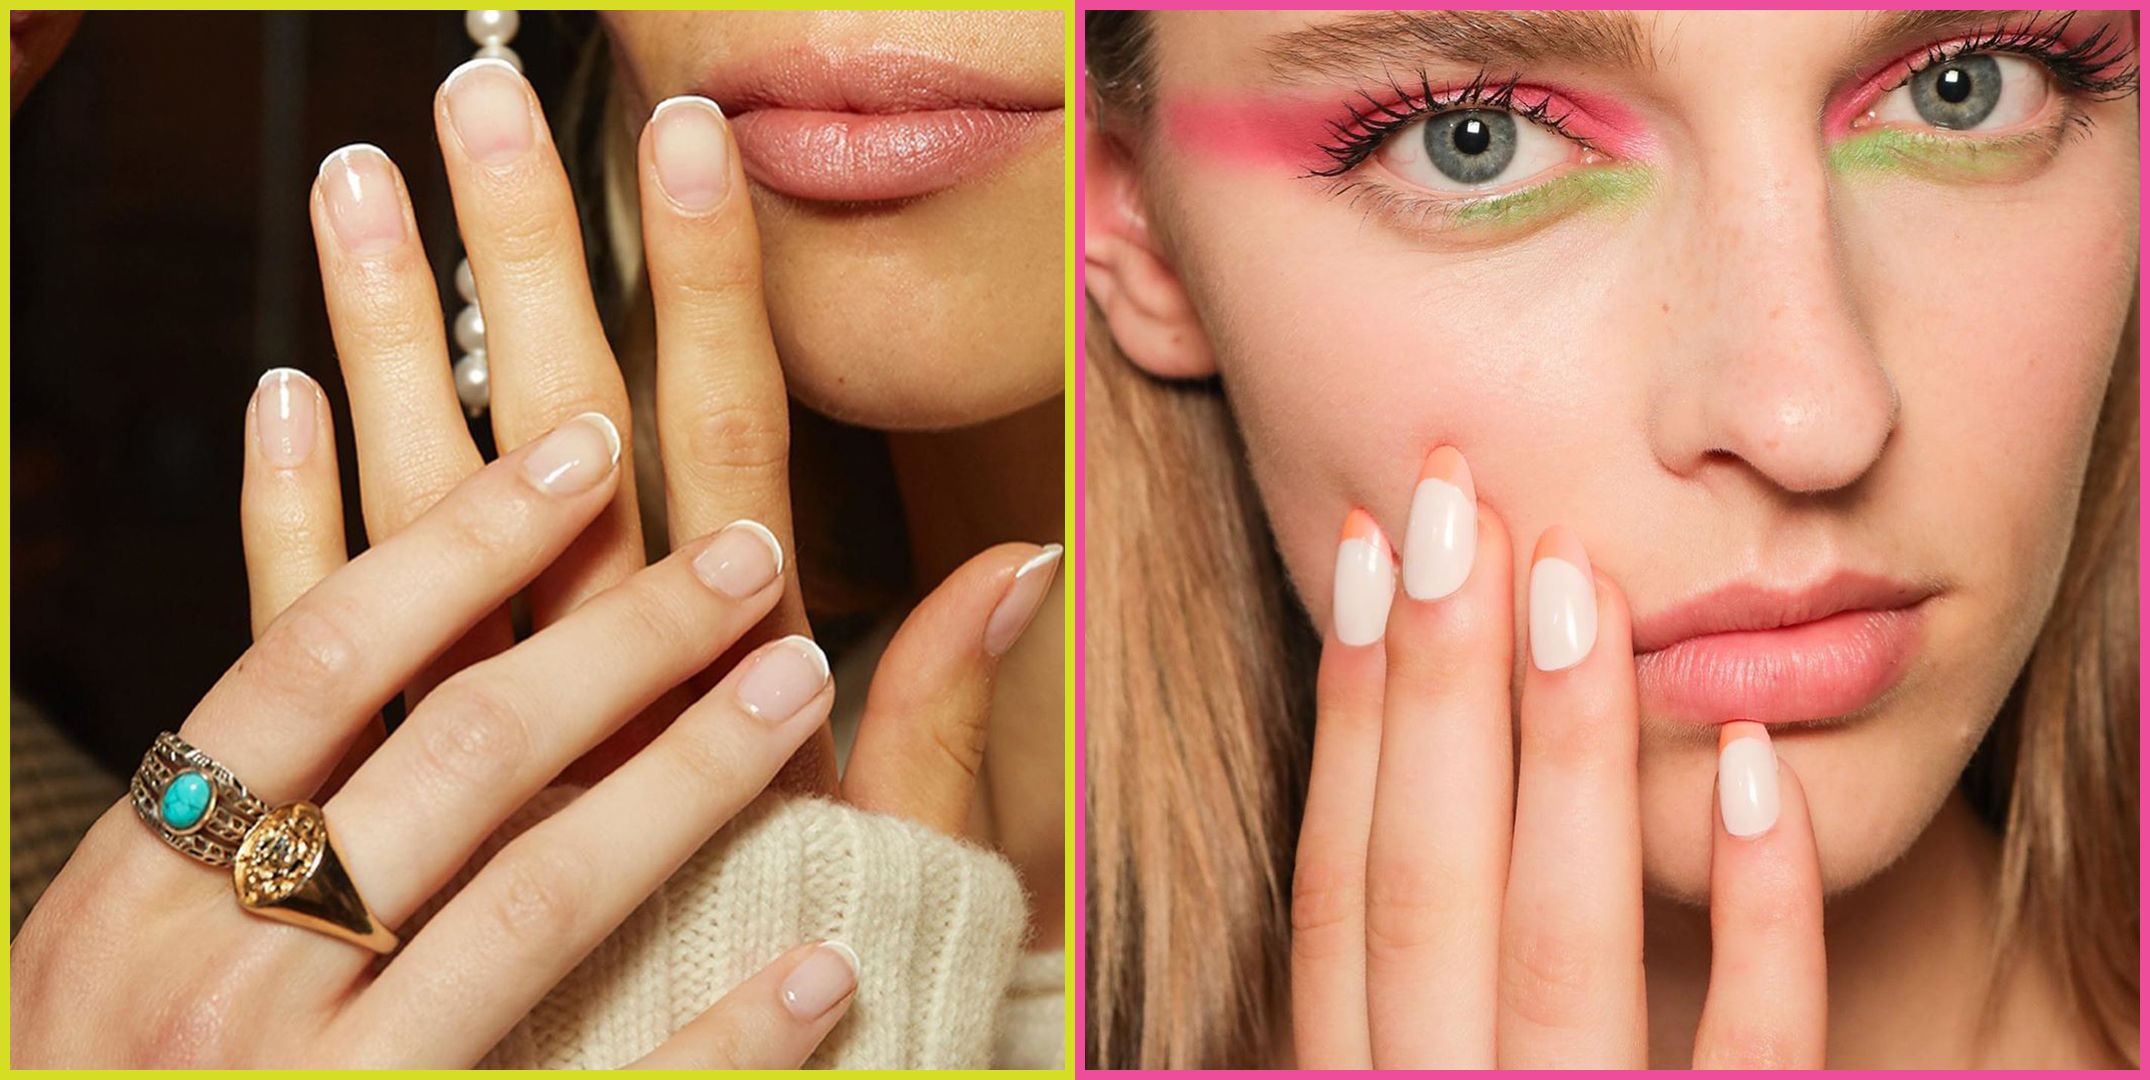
(1474, 150)
(1981, 91)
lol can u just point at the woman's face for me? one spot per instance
(907, 171)
(1765, 318)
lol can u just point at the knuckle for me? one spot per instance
(1406, 905)
(740, 438)
(1545, 979)
(472, 732)
(1328, 897)
(193, 1028)
(661, 619)
(541, 894)
(705, 759)
(306, 653)
(530, 245)
(961, 739)
(489, 526)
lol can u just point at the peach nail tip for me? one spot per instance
(760, 530)
(1360, 525)
(1446, 464)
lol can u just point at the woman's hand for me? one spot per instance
(139, 955)
(1451, 910)
(721, 425)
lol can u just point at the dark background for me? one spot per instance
(162, 260)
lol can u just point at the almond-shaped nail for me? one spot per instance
(1441, 540)
(1020, 604)
(284, 417)
(1365, 581)
(783, 676)
(575, 457)
(489, 108)
(741, 560)
(1563, 602)
(828, 975)
(1747, 779)
(692, 152)
(364, 208)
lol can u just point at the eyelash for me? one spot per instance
(2081, 68)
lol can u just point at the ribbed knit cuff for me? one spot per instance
(937, 923)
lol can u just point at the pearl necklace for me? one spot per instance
(490, 31)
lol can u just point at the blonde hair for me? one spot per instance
(1198, 713)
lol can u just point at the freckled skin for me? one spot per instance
(1752, 368)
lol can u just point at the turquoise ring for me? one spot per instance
(196, 806)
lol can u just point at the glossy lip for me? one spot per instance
(1750, 651)
(875, 124)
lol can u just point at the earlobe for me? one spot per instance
(1134, 287)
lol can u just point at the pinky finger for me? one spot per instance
(771, 1021)
(290, 502)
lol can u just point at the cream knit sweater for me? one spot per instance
(938, 925)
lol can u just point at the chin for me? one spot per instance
(922, 314)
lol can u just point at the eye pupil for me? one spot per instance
(1954, 85)
(1473, 136)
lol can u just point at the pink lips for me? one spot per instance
(875, 125)
(1779, 656)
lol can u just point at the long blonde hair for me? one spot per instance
(1198, 713)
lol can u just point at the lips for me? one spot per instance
(876, 125)
(1754, 652)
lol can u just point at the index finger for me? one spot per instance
(1768, 1000)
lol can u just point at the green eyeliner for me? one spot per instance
(1895, 150)
(1611, 186)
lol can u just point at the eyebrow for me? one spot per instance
(1374, 41)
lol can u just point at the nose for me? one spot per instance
(1771, 371)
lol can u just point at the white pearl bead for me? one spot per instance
(465, 285)
(499, 52)
(472, 382)
(491, 27)
(470, 329)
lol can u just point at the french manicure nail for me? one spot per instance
(284, 417)
(692, 152)
(827, 976)
(1563, 602)
(1747, 782)
(741, 560)
(1025, 595)
(575, 457)
(1442, 537)
(784, 675)
(359, 185)
(490, 110)
(1365, 581)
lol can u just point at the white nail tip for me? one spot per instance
(1440, 542)
(767, 537)
(806, 647)
(849, 954)
(1747, 787)
(1563, 614)
(344, 151)
(474, 64)
(1047, 557)
(612, 431)
(685, 99)
(1365, 587)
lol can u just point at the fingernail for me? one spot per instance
(1442, 537)
(827, 976)
(1563, 602)
(1365, 581)
(1747, 780)
(359, 185)
(742, 560)
(1025, 595)
(784, 675)
(489, 109)
(575, 457)
(284, 417)
(692, 152)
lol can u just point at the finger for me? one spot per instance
(384, 309)
(773, 1020)
(1571, 932)
(1328, 951)
(493, 735)
(546, 354)
(283, 712)
(922, 739)
(723, 427)
(1438, 860)
(555, 891)
(1768, 999)
(290, 501)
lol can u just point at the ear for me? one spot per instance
(1138, 292)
